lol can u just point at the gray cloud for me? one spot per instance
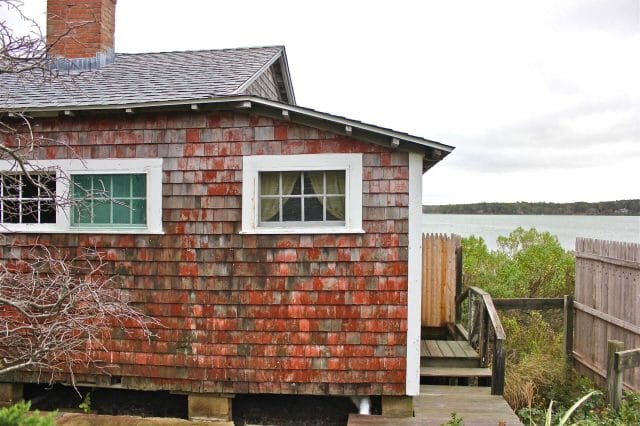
(549, 141)
(528, 160)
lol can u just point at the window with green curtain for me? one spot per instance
(109, 200)
(315, 197)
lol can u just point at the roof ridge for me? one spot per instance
(227, 49)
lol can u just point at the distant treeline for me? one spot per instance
(602, 208)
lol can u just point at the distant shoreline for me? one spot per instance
(601, 208)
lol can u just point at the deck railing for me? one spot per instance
(618, 361)
(483, 330)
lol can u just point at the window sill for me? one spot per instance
(56, 230)
(288, 231)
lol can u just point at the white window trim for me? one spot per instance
(254, 164)
(152, 167)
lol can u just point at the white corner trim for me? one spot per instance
(350, 163)
(64, 168)
(414, 298)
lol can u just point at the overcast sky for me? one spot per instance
(541, 99)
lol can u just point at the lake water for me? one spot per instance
(566, 228)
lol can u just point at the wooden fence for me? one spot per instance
(441, 275)
(606, 305)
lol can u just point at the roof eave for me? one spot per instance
(433, 151)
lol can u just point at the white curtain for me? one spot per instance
(270, 185)
(335, 181)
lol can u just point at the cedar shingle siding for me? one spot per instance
(294, 314)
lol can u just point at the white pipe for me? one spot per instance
(363, 403)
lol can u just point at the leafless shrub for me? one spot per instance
(56, 312)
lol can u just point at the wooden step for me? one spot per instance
(447, 349)
(454, 372)
(450, 362)
(448, 353)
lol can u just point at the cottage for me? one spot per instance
(279, 246)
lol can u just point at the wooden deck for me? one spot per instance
(435, 404)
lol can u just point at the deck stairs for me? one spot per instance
(452, 362)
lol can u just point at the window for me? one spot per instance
(27, 198)
(309, 196)
(91, 196)
(314, 193)
(109, 200)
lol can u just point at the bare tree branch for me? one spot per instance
(57, 311)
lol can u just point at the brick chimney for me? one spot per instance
(80, 33)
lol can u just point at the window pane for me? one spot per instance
(269, 183)
(30, 187)
(49, 182)
(101, 212)
(11, 186)
(335, 182)
(291, 184)
(312, 209)
(82, 186)
(139, 212)
(10, 212)
(47, 211)
(335, 208)
(121, 186)
(269, 209)
(101, 186)
(139, 185)
(314, 182)
(29, 212)
(121, 211)
(81, 213)
(291, 209)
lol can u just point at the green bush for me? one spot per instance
(19, 415)
(529, 263)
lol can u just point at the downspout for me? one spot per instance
(363, 403)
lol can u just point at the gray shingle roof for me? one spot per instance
(143, 77)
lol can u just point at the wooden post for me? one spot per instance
(470, 314)
(209, 406)
(614, 375)
(486, 336)
(478, 325)
(568, 328)
(10, 393)
(497, 370)
(458, 281)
